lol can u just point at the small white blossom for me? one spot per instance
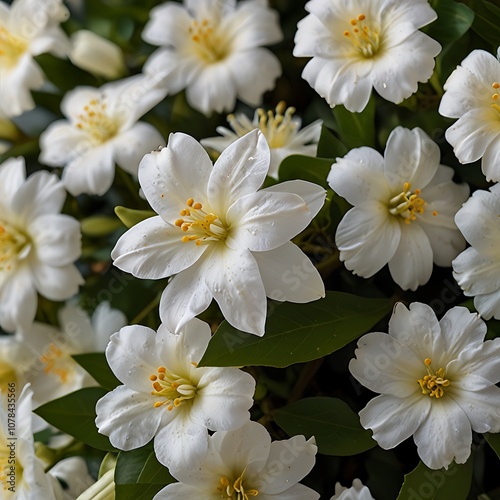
(360, 44)
(28, 28)
(472, 95)
(219, 234)
(477, 269)
(213, 49)
(101, 129)
(166, 396)
(38, 244)
(436, 379)
(356, 492)
(281, 130)
(404, 205)
(244, 464)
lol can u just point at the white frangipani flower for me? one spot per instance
(54, 373)
(24, 478)
(38, 244)
(472, 94)
(220, 235)
(166, 396)
(436, 379)
(404, 205)
(243, 464)
(477, 269)
(213, 49)
(361, 44)
(356, 492)
(28, 28)
(101, 129)
(281, 130)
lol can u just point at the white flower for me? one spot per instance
(102, 129)
(22, 474)
(231, 241)
(244, 464)
(28, 28)
(38, 245)
(167, 397)
(75, 476)
(96, 54)
(472, 96)
(54, 373)
(356, 492)
(281, 130)
(404, 204)
(213, 49)
(477, 269)
(359, 44)
(436, 379)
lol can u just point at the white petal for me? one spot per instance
(240, 170)
(167, 25)
(296, 492)
(445, 435)
(411, 264)
(265, 220)
(60, 142)
(488, 304)
(105, 322)
(476, 273)
(12, 177)
(56, 283)
(289, 275)
(153, 249)
(491, 160)
(181, 491)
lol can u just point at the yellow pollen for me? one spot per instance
(364, 37)
(96, 123)
(209, 43)
(496, 85)
(173, 389)
(11, 48)
(54, 362)
(14, 246)
(433, 383)
(235, 490)
(203, 226)
(407, 204)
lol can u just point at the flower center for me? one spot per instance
(58, 363)
(278, 127)
(365, 39)
(11, 48)
(174, 390)
(96, 123)
(407, 204)
(14, 246)
(433, 384)
(495, 104)
(202, 226)
(235, 490)
(207, 44)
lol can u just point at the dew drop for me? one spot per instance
(384, 85)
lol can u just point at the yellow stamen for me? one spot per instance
(433, 384)
(364, 37)
(173, 389)
(209, 43)
(235, 490)
(12, 47)
(407, 204)
(56, 363)
(14, 246)
(96, 123)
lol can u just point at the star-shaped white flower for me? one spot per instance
(472, 94)
(101, 129)
(436, 379)
(361, 44)
(213, 49)
(404, 205)
(220, 235)
(281, 130)
(167, 397)
(477, 269)
(28, 28)
(243, 464)
(38, 244)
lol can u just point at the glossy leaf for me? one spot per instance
(443, 484)
(329, 146)
(96, 365)
(486, 21)
(75, 414)
(453, 21)
(494, 441)
(305, 168)
(334, 425)
(296, 333)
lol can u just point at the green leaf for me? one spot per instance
(139, 475)
(296, 333)
(329, 146)
(486, 21)
(453, 21)
(99, 225)
(494, 441)
(306, 168)
(451, 484)
(131, 217)
(356, 129)
(334, 425)
(75, 414)
(96, 365)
